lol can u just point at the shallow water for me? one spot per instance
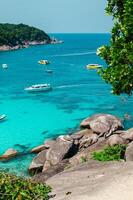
(77, 93)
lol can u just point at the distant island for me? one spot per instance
(14, 36)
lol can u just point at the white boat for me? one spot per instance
(39, 88)
(43, 62)
(4, 66)
(49, 71)
(2, 117)
(55, 41)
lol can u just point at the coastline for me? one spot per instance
(26, 114)
(27, 44)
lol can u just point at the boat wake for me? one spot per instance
(75, 54)
(70, 86)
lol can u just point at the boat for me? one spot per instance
(39, 88)
(43, 62)
(49, 71)
(4, 66)
(55, 41)
(93, 66)
(2, 117)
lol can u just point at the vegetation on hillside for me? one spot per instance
(12, 35)
(115, 152)
(119, 54)
(15, 188)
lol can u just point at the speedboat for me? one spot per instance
(39, 88)
(93, 66)
(2, 117)
(43, 62)
(49, 71)
(4, 66)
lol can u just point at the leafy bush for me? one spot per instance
(119, 53)
(15, 188)
(115, 152)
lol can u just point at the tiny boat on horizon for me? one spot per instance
(56, 41)
(93, 66)
(39, 88)
(2, 117)
(4, 66)
(43, 62)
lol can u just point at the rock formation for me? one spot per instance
(72, 148)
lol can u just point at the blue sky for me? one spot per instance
(58, 16)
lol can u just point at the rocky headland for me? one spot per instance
(68, 158)
(17, 36)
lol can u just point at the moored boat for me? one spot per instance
(43, 62)
(2, 117)
(4, 66)
(39, 88)
(93, 66)
(49, 71)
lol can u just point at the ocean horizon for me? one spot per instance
(77, 93)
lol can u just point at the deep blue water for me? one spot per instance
(77, 93)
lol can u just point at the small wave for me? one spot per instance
(71, 86)
(75, 54)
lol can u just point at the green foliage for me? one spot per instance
(115, 152)
(15, 188)
(11, 34)
(119, 54)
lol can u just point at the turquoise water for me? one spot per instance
(77, 93)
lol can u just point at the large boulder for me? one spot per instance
(53, 170)
(102, 124)
(38, 149)
(49, 143)
(129, 152)
(62, 148)
(88, 140)
(10, 153)
(87, 152)
(78, 135)
(116, 139)
(37, 162)
(128, 135)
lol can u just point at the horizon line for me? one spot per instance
(78, 33)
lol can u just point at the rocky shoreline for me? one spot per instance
(28, 44)
(66, 151)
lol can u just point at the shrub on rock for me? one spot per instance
(15, 188)
(111, 153)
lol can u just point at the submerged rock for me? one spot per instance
(10, 153)
(102, 124)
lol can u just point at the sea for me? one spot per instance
(33, 118)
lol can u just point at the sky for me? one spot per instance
(58, 16)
